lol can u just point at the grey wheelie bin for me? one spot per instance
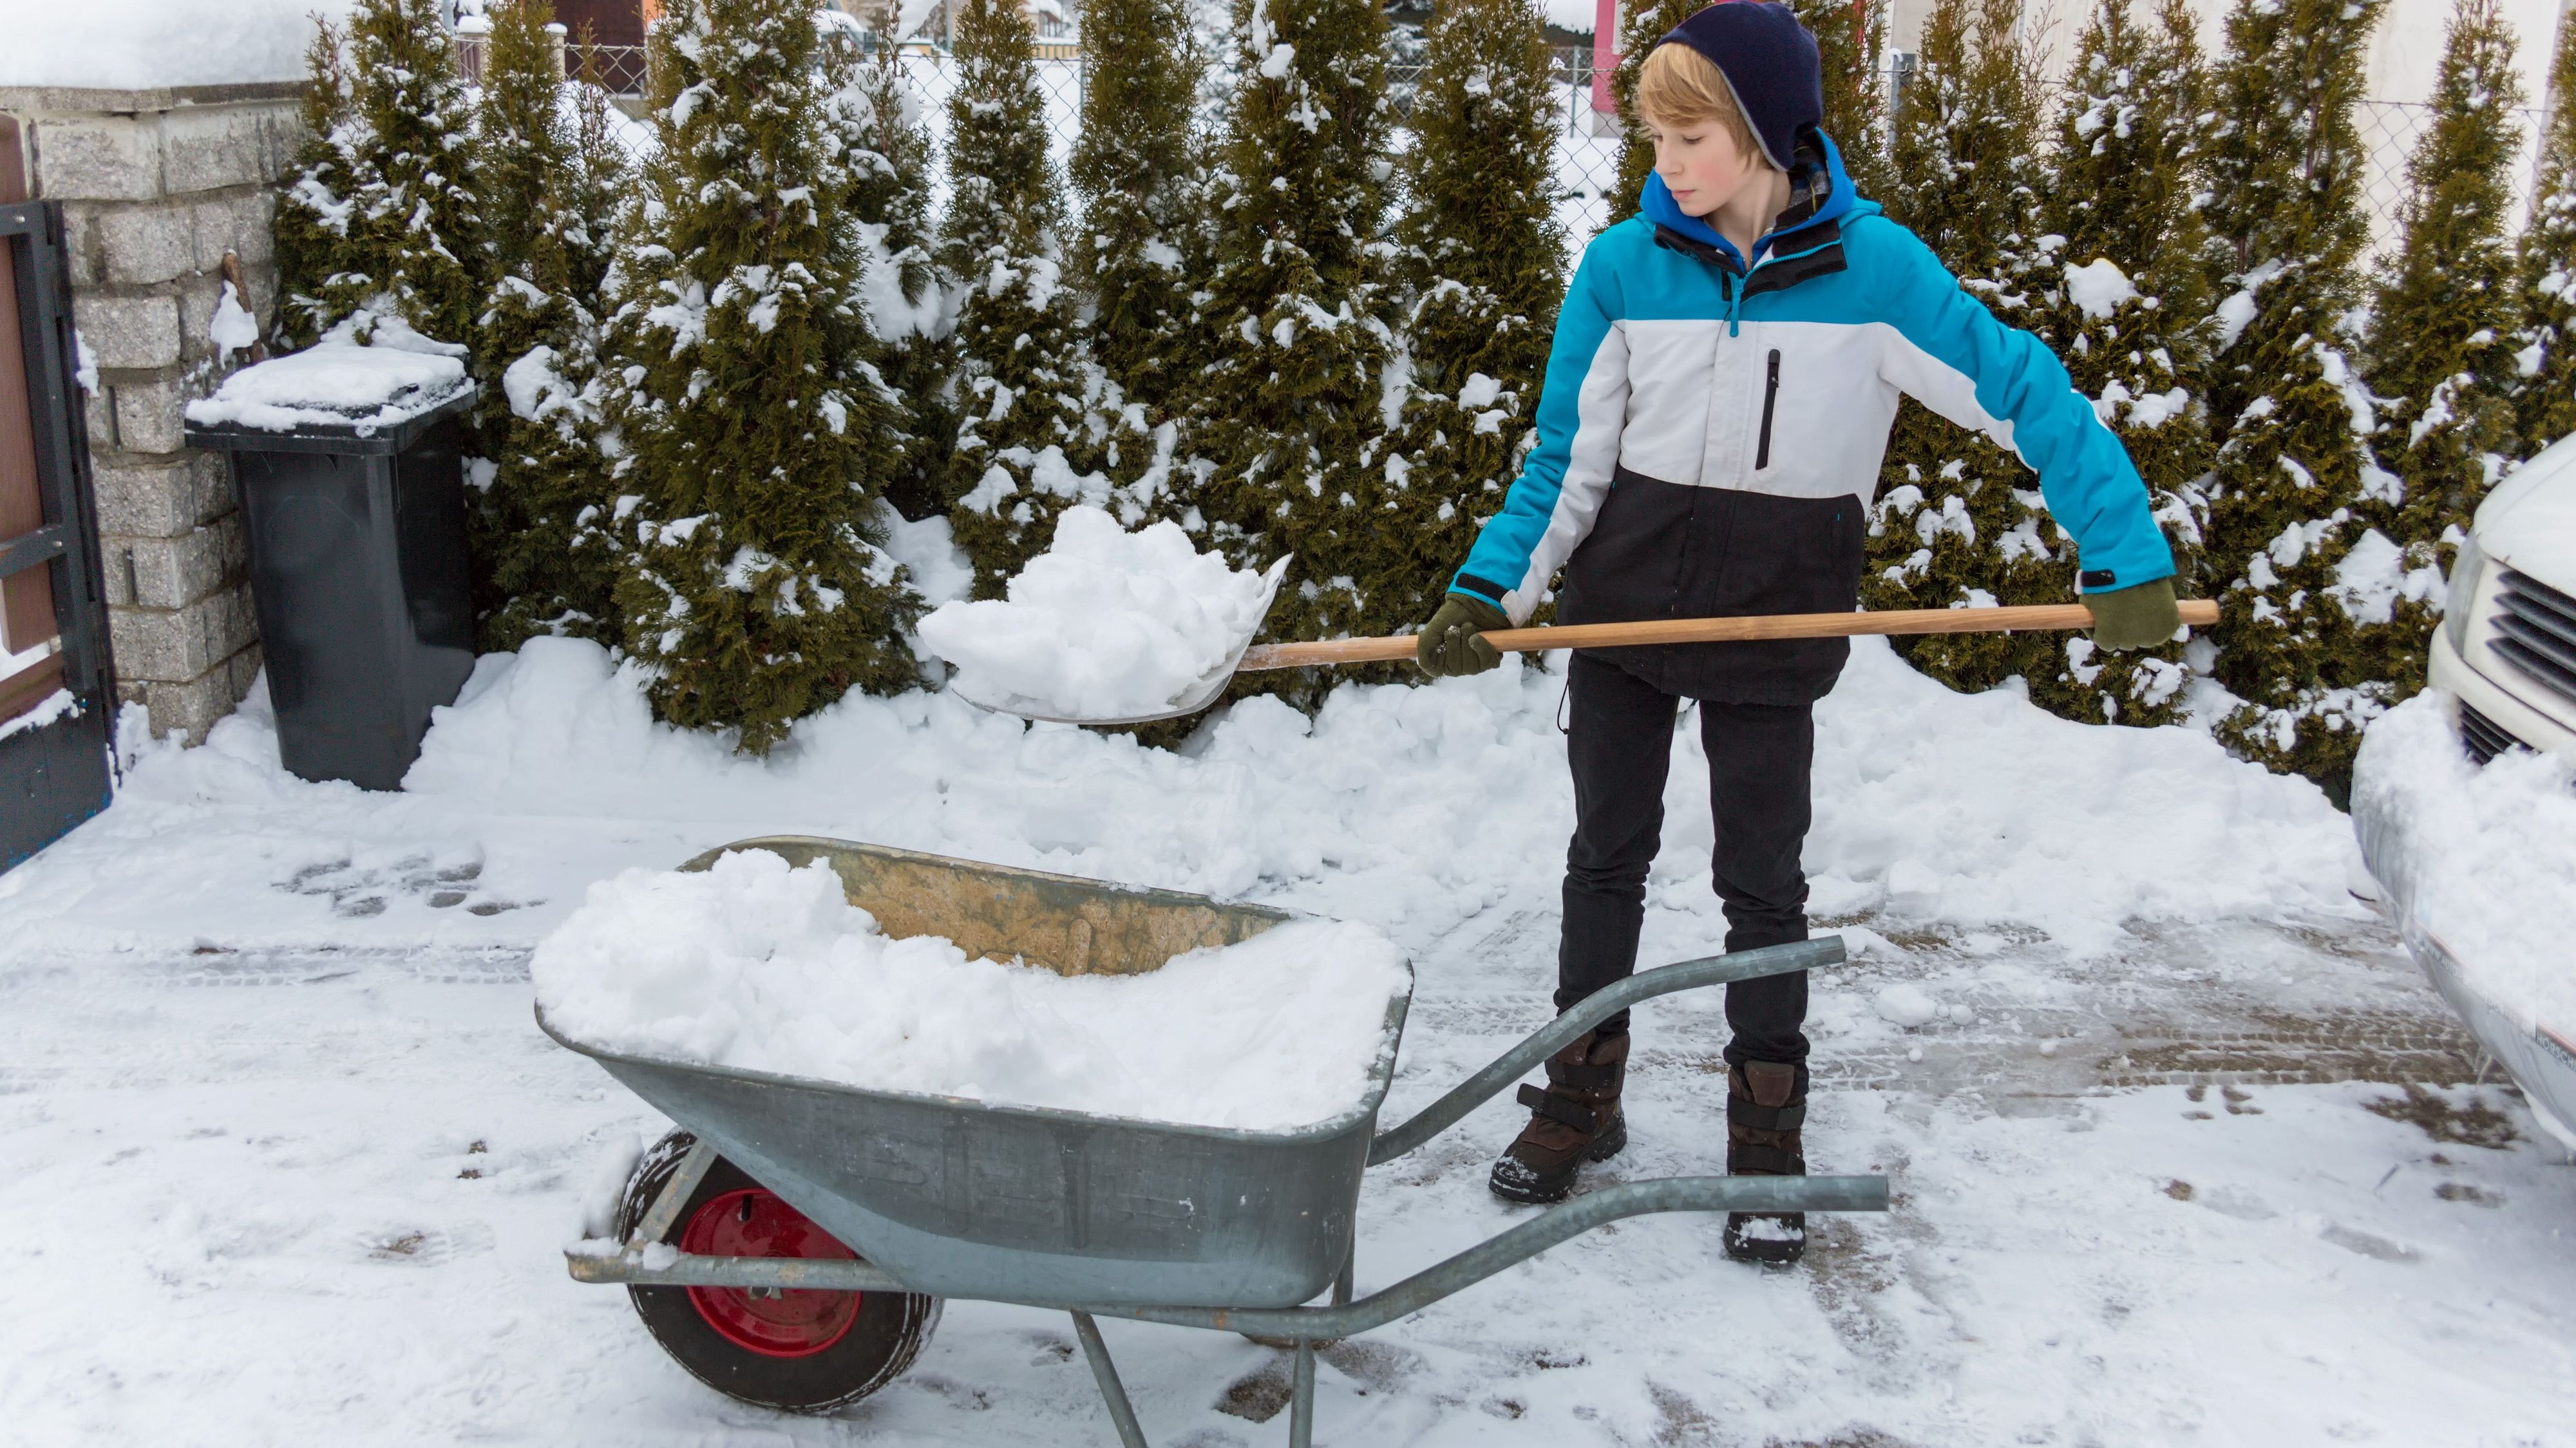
(359, 574)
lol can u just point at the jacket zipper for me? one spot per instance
(1770, 395)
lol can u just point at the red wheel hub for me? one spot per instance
(774, 1322)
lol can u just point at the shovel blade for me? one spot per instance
(1202, 692)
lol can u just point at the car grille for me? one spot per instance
(2535, 632)
(2483, 737)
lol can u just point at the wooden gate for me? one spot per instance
(57, 686)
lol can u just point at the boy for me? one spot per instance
(1726, 368)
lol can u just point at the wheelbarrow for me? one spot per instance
(792, 1242)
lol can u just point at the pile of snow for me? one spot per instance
(144, 44)
(1105, 624)
(2488, 855)
(755, 965)
(395, 375)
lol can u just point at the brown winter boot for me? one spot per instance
(1575, 1120)
(1766, 1110)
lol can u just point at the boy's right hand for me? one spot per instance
(1453, 643)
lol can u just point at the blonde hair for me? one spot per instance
(1679, 86)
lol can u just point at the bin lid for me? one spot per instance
(313, 435)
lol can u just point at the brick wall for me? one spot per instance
(157, 186)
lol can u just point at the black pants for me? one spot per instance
(1619, 742)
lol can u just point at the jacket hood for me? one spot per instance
(1817, 161)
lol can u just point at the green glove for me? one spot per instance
(2134, 618)
(1453, 642)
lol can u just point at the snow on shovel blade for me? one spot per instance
(1197, 695)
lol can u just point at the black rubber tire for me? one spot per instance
(891, 1330)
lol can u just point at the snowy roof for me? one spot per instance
(147, 44)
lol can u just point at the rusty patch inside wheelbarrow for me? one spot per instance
(1066, 924)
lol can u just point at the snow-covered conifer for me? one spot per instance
(311, 226)
(1136, 167)
(2313, 618)
(1287, 414)
(552, 178)
(909, 305)
(381, 217)
(2440, 353)
(1851, 36)
(1958, 517)
(1480, 260)
(753, 424)
(520, 123)
(2127, 313)
(1023, 451)
(2545, 347)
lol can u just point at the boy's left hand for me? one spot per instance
(2138, 617)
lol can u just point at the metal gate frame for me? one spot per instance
(56, 774)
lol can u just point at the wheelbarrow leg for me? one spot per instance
(1103, 1371)
(665, 1211)
(1301, 1398)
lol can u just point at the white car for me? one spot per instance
(2431, 827)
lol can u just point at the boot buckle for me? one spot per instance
(1560, 1109)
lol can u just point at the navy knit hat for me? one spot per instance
(1769, 61)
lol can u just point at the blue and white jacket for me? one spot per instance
(1710, 435)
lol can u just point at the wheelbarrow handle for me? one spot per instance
(1527, 1239)
(1602, 1004)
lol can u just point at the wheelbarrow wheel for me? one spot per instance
(799, 1351)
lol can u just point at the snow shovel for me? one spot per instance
(2198, 613)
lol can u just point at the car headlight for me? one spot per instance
(2466, 570)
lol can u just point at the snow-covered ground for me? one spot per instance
(283, 1157)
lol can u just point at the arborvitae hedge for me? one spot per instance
(2544, 387)
(1136, 165)
(1024, 452)
(2127, 313)
(1481, 261)
(1958, 518)
(381, 217)
(544, 562)
(2441, 341)
(754, 424)
(2310, 656)
(1287, 415)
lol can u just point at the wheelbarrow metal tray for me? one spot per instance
(975, 1199)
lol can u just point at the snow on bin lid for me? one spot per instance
(758, 966)
(338, 382)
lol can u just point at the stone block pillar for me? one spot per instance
(157, 187)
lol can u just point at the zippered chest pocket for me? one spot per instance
(1770, 401)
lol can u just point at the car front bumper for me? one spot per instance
(2540, 1055)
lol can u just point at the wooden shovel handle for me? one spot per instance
(2199, 613)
